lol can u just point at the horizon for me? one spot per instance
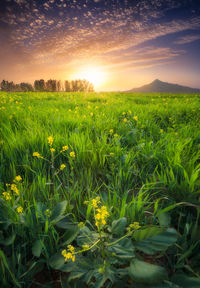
(116, 45)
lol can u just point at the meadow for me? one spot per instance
(99, 190)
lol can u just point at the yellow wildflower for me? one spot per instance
(161, 130)
(50, 140)
(135, 118)
(19, 209)
(52, 150)
(18, 178)
(134, 226)
(125, 120)
(112, 154)
(101, 216)
(62, 166)
(14, 188)
(91, 114)
(111, 131)
(7, 196)
(71, 248)
(36, 154)
(69, 255)
(47, 212)
(72, 154)
(64, 148)
(85, 247)
(116, 135)
(95, 202)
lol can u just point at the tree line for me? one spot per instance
(49, 86)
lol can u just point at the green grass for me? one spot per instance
(154, 164)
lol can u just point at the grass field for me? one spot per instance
(139, 153)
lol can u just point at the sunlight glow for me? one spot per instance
(95, 75)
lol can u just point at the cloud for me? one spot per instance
(187, 39)
(59, 33)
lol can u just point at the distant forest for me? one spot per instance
(49, 86)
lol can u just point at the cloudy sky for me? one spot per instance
(125, 43)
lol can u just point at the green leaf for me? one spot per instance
(157, 243)
(143, 272)
(37, 248)
(147, 233)
(164, 219)
(8, 241)
(70, 234)
(57, 261)
(185, 281)
(58, 211)
(124, 249)
(65, 223)
(118, 226)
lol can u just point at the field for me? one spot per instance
(138, 153)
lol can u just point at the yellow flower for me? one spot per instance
(111, 131)
(14, 188)
(50, 140)
(135, 118)
(85, 247)
(47, 213)
(161, 130)
(123, 113)
(71, 248)
(64, 148)
(62, 166)
(95, 202)
(134, 226)
(69, 110)
(72, 154)
(52, 150)
(89, 106)
(36, 154)
(91, 114)
(7, 196)
(125, 120)
(116, 135)
(101, 216)
(81, 224)
(112, 154)
(19, 209)
(18, 178)
(69, 255)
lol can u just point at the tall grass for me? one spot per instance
(140, 153)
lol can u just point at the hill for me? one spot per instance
(158, 86)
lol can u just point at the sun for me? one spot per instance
(94, 75)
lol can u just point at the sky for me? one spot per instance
(116, 44)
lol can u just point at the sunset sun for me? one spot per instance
(94, 75)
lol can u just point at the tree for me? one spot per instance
(67, 86)
(51, 85)
(39, 85)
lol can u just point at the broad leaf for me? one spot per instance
(146, 233)
(144, 272)
(118, 226)
(37, 248)
(57, 261)
(185, 281)
(58, 211)
(157, 243)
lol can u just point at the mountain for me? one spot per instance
(158, 86)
